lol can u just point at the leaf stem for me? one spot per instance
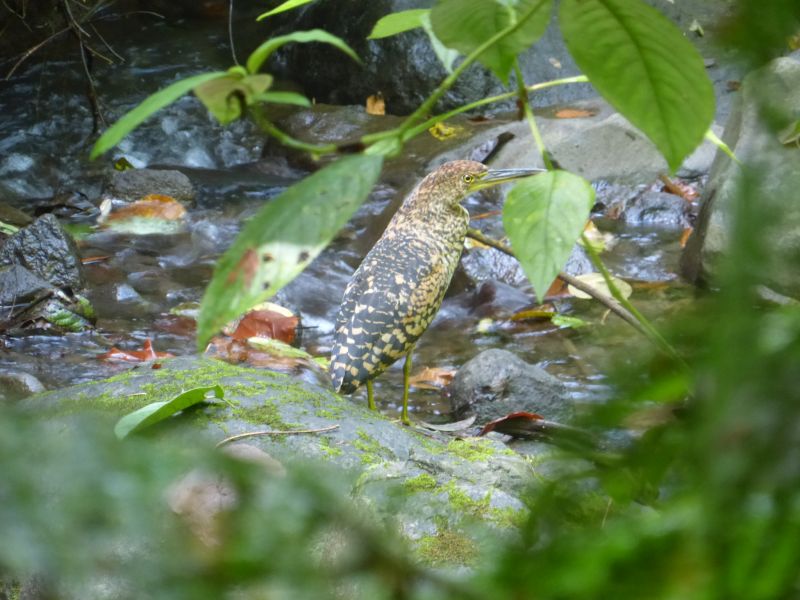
(525, 106)
(290, 142)
(248, 434)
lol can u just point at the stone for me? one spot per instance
(16, 384)
(45, 249)
(752, 134)
(135, 184)
(496, 383)
(658, 209)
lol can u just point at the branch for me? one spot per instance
(241, 436)
(602, 298)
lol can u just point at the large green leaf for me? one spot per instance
(283, 98)
(641, 63)
(158, 411)
(151, 104)
(263, 52)
(283, 238)
(466, 24)
(283, 7)
(398, 22)
(543, 217)
(225, 96)
(446, 55)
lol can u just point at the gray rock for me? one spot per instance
(497, 382)
(658, 209)
(448, 480)
(405, 69)
(18, 286)
(16, 384)
(134, 184)
(751, 133)
(47, 251)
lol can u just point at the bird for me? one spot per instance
(397, 290)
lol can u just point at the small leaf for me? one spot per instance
(225, 97)
(398, 22)
(151, 104)
(466, 24)
(513, 423)
(146, 353)
(376, 105)
(543, 217)
(560, 320)
(283, 98)
(283, 7)
(267, 323)
(283, 238)
(646, 69)
(597, 281)
(263, 52)
(158, 411)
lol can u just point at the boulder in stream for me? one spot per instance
(135, 184)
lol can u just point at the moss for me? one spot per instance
(371, 450)
(472, 449)
(447, 547)
(422, 482)
(328, 448)
(267, 414)
(465, 504)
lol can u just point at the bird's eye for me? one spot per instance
(468, 178)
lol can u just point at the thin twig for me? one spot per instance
(230, 32)
(602, 298)
(33, 49)
(240, 436)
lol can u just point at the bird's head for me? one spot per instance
(455, 180)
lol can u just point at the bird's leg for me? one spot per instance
(370, 395)
(406, 376)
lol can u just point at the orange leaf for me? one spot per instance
(153, 206)
(267, 323)
(247, 267)
(674, 186)
(575, 113)
(376, 105)
(143, 355)
(511, 423)
(431, 378)
(687, 232)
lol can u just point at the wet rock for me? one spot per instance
(473, 479)
(406, 70)
(16, 384)
(47, 251)
(134, 184)
(754, 137)
(497, 382)
(19, 286)
(495, 299)
(13, 216)
(658, 209)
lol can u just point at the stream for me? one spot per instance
(44, 143)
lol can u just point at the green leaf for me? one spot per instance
(225, 97)
(398, 22)
(283, 98)
(445, 55)
(283, 7)
(644, 67)
(283, 238)
(263, 52)
(158, 411)
(543, 217)
(466, 24)
(151, 104)
(560, 320)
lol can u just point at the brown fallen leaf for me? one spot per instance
(511, 423)
(268, 324)
(146, 353)
(575, 113)
(677, 187)
(91, 260)
(152, 206)
(687, 232)
(432, 378)
(376, 105)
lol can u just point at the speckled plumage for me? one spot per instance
(398, 289)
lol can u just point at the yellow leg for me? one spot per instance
(370, 395)
(406, 376)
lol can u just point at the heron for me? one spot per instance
(397, 290)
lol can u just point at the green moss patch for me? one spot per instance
(420, 483)
(447, 547)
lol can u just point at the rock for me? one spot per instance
(16, 384)
(47, 251)
(406, 70)
(18, 286)
(497, 382)
(451, 480)
(755, 141)
(658, 209)
(134, 184)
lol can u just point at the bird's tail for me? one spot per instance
(343, 382)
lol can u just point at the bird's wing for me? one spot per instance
(380, 319)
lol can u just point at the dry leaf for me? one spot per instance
(678, 188)
(544, 311)
(433, 378)
(512, 423)
(600, 240)
(687, 232)
(442, 131)
(575, 113)
(153, 206)
(376, 105)
(143, 355)
(267, 324)
(597, 281)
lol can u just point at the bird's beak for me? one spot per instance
(493, 177)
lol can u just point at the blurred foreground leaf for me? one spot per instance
(398, 22)
(283, 238)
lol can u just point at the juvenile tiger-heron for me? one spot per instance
(395, 293)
